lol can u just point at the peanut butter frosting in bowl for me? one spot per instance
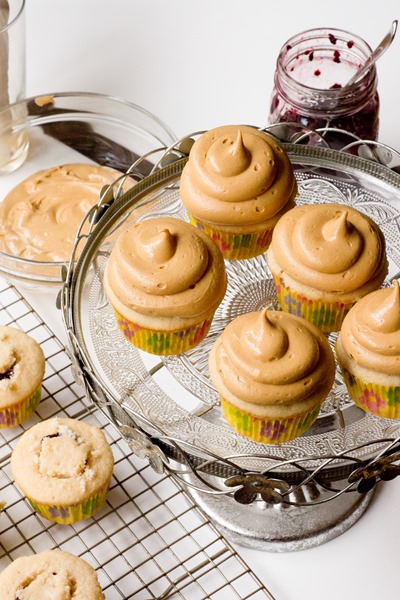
(237, 176)
(165, 271)
(50, 575)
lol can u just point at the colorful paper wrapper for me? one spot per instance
(236, 246)
(380, 400)
(163, 343)
(67, 514)
(328, 316)
(265, 430)
(20, 411)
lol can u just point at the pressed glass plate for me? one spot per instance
(172, 398)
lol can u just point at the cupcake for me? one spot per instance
(272, 371)
(368, 352)
(164, 279)
(22, 366)
(323, 258)
(237, 183)
(51, 574)
(64, 467)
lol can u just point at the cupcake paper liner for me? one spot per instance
(20, 411)
(380, 400)
(236, 246)
(163, 342)
(265, 430)
(328, 316)
(65, 515)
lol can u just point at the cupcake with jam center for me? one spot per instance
(22, 366)
(324, 258)
(368, 352)
(272, 371)
(237, 183)
(165, 279)
(53, 574)
(64, 467)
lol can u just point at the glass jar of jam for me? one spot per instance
(312, 70)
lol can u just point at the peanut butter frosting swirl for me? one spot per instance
(271, 357)
(166, 267)
(237, 175)
(331, 247)
(371, 331)
(40, 217)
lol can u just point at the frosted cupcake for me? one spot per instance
(51, 574)
(22, 366)
(237, 183)
(368, 352)
(64, 467)
(325, 257)
(165, 279)
(272, 371)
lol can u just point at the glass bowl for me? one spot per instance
(62, 128)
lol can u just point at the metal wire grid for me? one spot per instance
(149, 541)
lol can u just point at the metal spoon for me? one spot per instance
(377, 53)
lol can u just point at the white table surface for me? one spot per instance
(197, 64)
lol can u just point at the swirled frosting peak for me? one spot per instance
(166, 267)
(329, 246)
(237, 175)
(371, 331)
(272, 357)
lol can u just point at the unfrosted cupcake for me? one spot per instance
(272, 371)
(64, 467)
(237, 183)
(164, 279)
(325, 257)
(53, 574)
(368, 352)
(22, 366)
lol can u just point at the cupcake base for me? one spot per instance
(236, 246)
(163, 343)
(267, 430)
(327, 316)
(65, 515)
(19, 412)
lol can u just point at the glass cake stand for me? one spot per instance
(277, 497)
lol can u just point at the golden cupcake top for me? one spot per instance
(331, 247)
(61, 461)
(22, 365)
(40, 217)
(51, 574)
(272, 357)
(166, 267)
(371, 331)
(237, 175)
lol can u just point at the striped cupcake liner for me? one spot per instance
(163, 343)
(65, 515)
(380, 400)
(20, 411)
(236, 246)
(265, 430)
(327, 316)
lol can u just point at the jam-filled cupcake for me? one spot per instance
(368, 352)
(325, 257)
(237, 183)
(22, 366)
(272, 371)
(64, 467)
(54, 574)
(165, 279)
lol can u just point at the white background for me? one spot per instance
(197, 64)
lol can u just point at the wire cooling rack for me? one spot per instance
(150, 541)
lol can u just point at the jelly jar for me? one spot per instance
(310, 79)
